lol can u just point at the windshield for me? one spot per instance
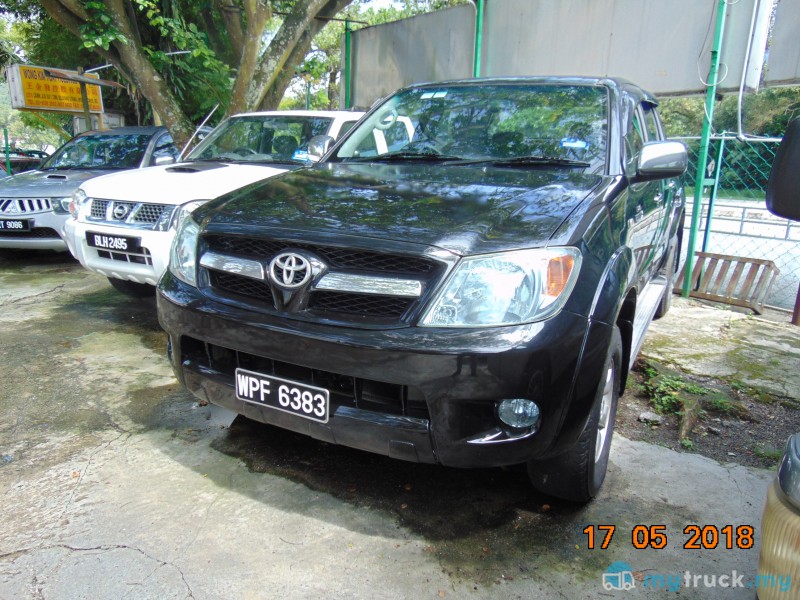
(100, 151)
(266, 138)
(506, 123)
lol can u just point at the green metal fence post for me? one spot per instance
(711, 94)
(476, 66)
(714, 190)
(347, 65)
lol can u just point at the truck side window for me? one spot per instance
(651, 123)
(634, 141)
(164, 147)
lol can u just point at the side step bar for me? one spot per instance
(646, 307)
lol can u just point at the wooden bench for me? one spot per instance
(734, 280)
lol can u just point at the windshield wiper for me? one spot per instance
(547, 161)
(406, 156)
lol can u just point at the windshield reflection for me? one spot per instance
(565, 124)
(100, 151)
(263, 138)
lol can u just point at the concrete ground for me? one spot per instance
(116, 484)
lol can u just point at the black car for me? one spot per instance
(473, 297)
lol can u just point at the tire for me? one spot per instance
(132, 289)
(578, 474)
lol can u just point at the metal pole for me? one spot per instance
(85, 99)
(8, 159)
(308, 94)
(347, 65)
(702, 159)
(479, 9)
(713, 197)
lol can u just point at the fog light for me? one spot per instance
(519, 413)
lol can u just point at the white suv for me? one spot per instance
(122, 225)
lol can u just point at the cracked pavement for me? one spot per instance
(117, 484)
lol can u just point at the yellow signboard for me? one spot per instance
(32, 88)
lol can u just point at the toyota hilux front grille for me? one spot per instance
(358, 285)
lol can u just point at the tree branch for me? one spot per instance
(273, 95)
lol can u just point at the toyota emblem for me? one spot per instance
(121, 211)
(290, 270)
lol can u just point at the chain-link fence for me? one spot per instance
(740, 223)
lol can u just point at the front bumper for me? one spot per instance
(779, 558)
(47, 232)
(446, 383)
(145, 267)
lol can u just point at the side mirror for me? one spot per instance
(164, 160)
(783, 187)
(318, 146)
(660, 160)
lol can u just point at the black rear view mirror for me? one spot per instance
(783, 187)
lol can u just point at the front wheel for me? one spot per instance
(578, 474)
(131, 288)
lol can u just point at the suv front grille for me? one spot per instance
(150, 213)
(365, 394)
(131, 213)
(99, 208)
(370, 306)
(25, 205)
(44, 233)
(335, 257)
(360, 304)
(242, 286)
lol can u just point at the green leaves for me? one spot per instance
(99, 30)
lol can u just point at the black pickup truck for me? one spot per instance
(463, 279)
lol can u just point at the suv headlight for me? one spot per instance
(507, 288)
(183, 211)
(183, 254)
(61, 206)
(79, 204)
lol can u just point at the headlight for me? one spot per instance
(183, 211)
(183, 254)
(61, 206)
(507, 288)
(78, 203)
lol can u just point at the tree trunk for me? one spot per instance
(147, 79)
(272, 94)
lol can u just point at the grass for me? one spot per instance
(666, 391)
(723, 405)
(768, 453)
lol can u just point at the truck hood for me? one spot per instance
(466, 210)
(179, 183)
(47, 184)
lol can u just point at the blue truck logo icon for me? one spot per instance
(618, 576)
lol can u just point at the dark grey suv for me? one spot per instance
(35, 205)
(474, 298)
